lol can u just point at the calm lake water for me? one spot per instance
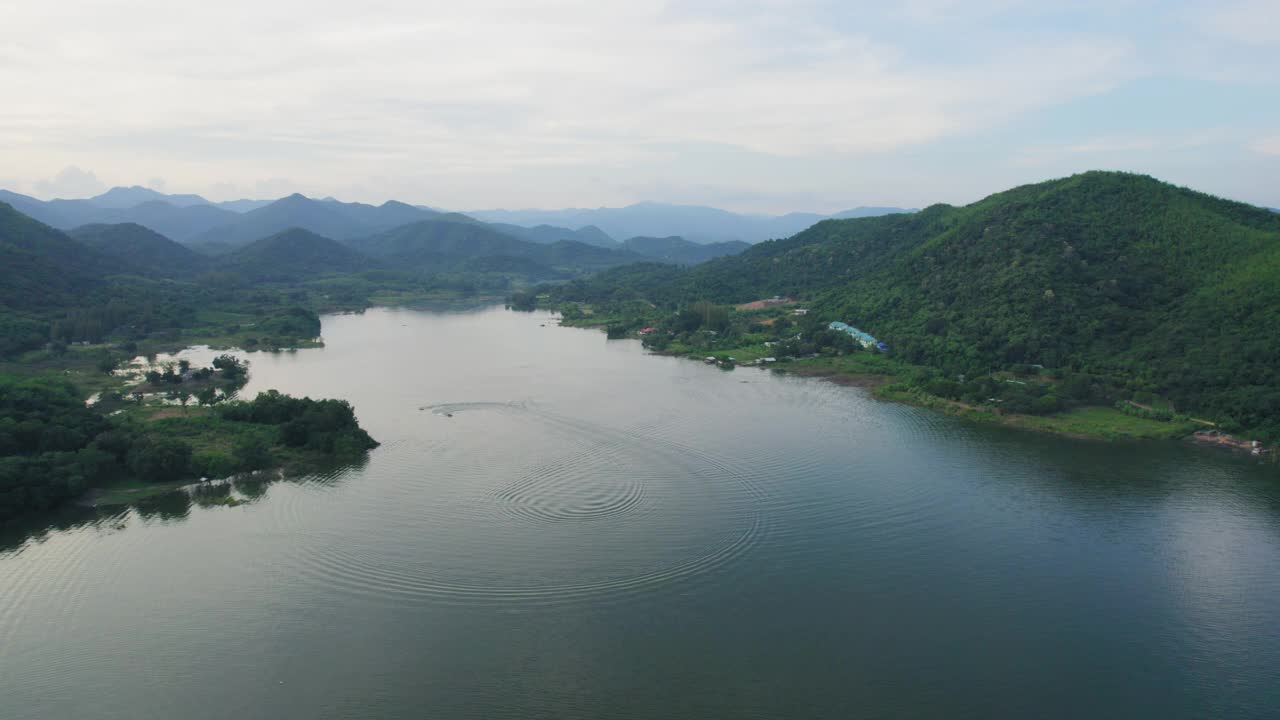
(560, 526)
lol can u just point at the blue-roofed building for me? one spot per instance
(863, 338)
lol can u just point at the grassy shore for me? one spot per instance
(884, 374)
(127, 492)
(1099, 423)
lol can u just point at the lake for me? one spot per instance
(560, 526)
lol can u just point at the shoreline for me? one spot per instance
(1063, 424)
(1093, 422)
(872, 381)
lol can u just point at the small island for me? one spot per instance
(139, 440)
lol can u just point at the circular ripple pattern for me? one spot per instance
(357, 574)
(591, 512)
(595, 484)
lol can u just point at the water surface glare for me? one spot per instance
(561, 526)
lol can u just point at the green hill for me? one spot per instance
(508, 265)
(547, 234)
(445, 244)
(679, 251)
(1114, 276)
(41, 267)
(143, 251)
(293, 255)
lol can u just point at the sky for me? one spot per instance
(753, 105)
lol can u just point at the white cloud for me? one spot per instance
(71, 182)
(1247, 21)
(307, 88)
(510, 101)
(1267, 146)
(1154, 142)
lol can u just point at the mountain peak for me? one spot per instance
(122, 197)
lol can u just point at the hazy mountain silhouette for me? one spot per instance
(181, 223)
(692, 222)
(243, 205)
(324, 217)
(678, 251)
(127, 197)
(191, 219)
(445, 243)
(546, 234)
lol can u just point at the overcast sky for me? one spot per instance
(755, 105)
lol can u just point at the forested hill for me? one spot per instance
(448, 244)
(694, 223)
(547, 234)
(679, 251)
(294, 254)
(40, 266)
(1112, 274)
(143, 251)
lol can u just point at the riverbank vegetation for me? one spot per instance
(54, 447)
(1085, 292)
(1024, 396)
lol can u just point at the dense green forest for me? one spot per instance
(142, 251)
(1134, 286)
(678, 251)
(292, 255)
(53, 448)
(128, 283)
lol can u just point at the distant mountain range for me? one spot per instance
(180, 222)
(546, 234)
(678, 251)
(41, 266)
(222, 226)
(696, 223)
(328, 218)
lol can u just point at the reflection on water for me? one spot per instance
(558, 525)
(170, 506)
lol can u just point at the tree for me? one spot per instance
(158, 460)
(231, 367)
(107, 364)
(251, 453)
